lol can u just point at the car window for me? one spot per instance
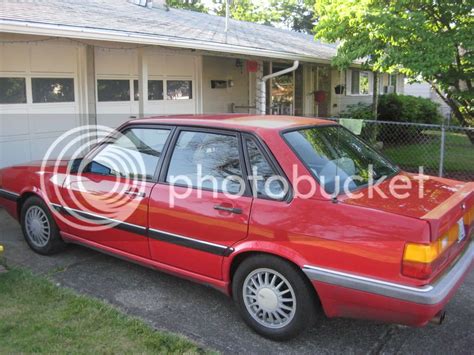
(134, 154)
(265, 181)
(337, 158)
(206, 161)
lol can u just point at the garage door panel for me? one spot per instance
(54, 122)
(116, 62)
(15, 58)
(14, 152)
(179, 65)
(180, 107)
(13, 123)
(62, 61)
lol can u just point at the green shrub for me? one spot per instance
(404, 108)
(360, 111)
(396, 108)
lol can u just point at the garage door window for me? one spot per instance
(155, 90)
(179, 89)
(12, 91)
(52, 90)
(113, 90)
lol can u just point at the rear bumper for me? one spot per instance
(344, 294)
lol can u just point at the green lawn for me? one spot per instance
(36, 316)
(459, 153)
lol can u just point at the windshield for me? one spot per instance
(337, 158)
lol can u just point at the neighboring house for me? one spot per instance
(425, 90)
(70, 63)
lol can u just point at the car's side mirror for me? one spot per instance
(99, 169)
(75, 165)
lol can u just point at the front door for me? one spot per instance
(201, 205)
(107, 203)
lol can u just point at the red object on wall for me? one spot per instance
(320, 96)
(252, 66)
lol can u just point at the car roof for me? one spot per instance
(241, 122)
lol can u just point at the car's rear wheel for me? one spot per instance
(39, 228)
(273, 297)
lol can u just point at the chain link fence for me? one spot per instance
(442, 150)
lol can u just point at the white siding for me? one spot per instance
(220, 100)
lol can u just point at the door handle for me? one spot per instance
(228, 209)
(134, 193)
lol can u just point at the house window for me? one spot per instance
(155, 90)
(52, 90)
(12, 91)
(113, 90)
(359, 82)
(179, 89)
(392, 82)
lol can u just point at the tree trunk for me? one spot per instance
(375, 96)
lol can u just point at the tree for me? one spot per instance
(296, 15)
(248, 10)
(193, 5)
(432, 40)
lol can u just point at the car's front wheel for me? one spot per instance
(39, 228)
(273, 297)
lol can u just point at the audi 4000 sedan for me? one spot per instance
(294, 218)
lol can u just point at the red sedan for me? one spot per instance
(294, 218)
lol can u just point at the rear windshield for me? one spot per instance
(337, 158)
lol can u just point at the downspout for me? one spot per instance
(262, 90)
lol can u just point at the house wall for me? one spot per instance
(220, 100)
(424, 89)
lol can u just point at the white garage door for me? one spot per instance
(38, 99)
(171, 85)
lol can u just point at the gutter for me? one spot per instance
(98, 34)
(262, 94)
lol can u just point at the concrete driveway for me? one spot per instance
(209, 318)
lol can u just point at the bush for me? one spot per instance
(404, 108)
(360, 111)
(396, 108)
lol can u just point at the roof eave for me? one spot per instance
(63, 31)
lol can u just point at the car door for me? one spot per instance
(202, 202)
(107, 202)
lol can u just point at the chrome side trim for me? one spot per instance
(9, 195)
(429, 294)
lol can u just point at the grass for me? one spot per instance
(37, 316)
(459, 153)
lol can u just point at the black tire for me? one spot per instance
(53, 242)
(306, 306)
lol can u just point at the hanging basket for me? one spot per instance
(339, 89)
(320, 96)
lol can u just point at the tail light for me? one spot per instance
(469, 217)
(422, 260)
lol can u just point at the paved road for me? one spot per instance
(209, 318)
